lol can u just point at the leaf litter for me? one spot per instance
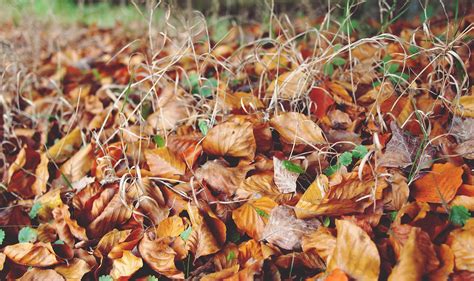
(348, 158)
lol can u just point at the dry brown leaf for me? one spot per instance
(2, 260)
(79, 164)
(439, 185)
(159, 255)
(126, 265)
(322, 241)
(447, 264)
(115, 242)
(417, 257)
(337, 275)
(38, 274)
(289, 85)
(461, 242)
(164, 163)
(298, 260)
(355, 253)
(231, 138)
(74, 270)
(253, 216)
(351, 195)
(222, 178)
(261, 185)
(208, 232)
(285, 230)
(284, 179)
(42, 175)
(29, 254)
(170, 227)
(398, 193)
(67, 228)
(297, 128)
(464, 106)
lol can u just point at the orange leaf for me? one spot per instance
(126, 265)
(164, 163)
(38, 254)
(322, 101)
(253, 216)
(337, 275)
(440, 185)
(41, 274)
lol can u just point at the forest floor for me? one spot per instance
(210, 149)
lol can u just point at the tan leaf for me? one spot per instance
(253, 216)
(115, 242)
(355, 253)
(38, 274)
(79, 164)
(417, 257)
(261, 185)
(164, 163)
(289, 85)
(351, 195)
(65, 147)
(42, 175)
(74, 270)
(285, 230)
(29, 254)
(170, 227)
(173, 107)
(221, 178)
(399, 192)
(297, 128)
(67, 228)
(17, 164)
(231, 138)
(461, 242)
(240, 100)
(160, 256)
(2, 260)
(297, 260)
(322, 241)
(126, 265)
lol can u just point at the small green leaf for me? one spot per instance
(96, 74)
(261, 213)
(331, 170)
(328, 69)
(106, 278)
(34, 210)
(359, 151)
(151, 278)
(292, 167)
(203, 127)
(146, 109)
(427, 13)
(234, 237)
(326, 222)
(27, 234)
(376, 83)
(2, 236)
(59, 242)
(345, 159)
(337, 47)
(387, 58)
(458, 215)
(159, 141)
(391, 67)
(413, 49)
(338, 61)
(208, 87)
(192, 81)
(393, 215)
(185, 234)
(230, 256)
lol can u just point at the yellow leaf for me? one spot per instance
(126, 265)
(65, 147)
(464, 106)
(170, 227)
(355, 253)
(253, 216)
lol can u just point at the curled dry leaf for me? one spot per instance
(38, 274)
(351, 195)
(231, 138)
(298, 260)
(355, 253)
(126, 265)
(115, 242)
(322, 241)
(285, 180)
(222, 178)
(74, 270)
(461, 242)
(29, 254)
(417, 257)
(253, 216)
(285, 230)
(439, 185)
(208, 232)
(398, 193)
(160, 254)
(67, 228)
(164, 163)
(445, 254)
(297, 128)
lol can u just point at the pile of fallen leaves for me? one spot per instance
(241, 155)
